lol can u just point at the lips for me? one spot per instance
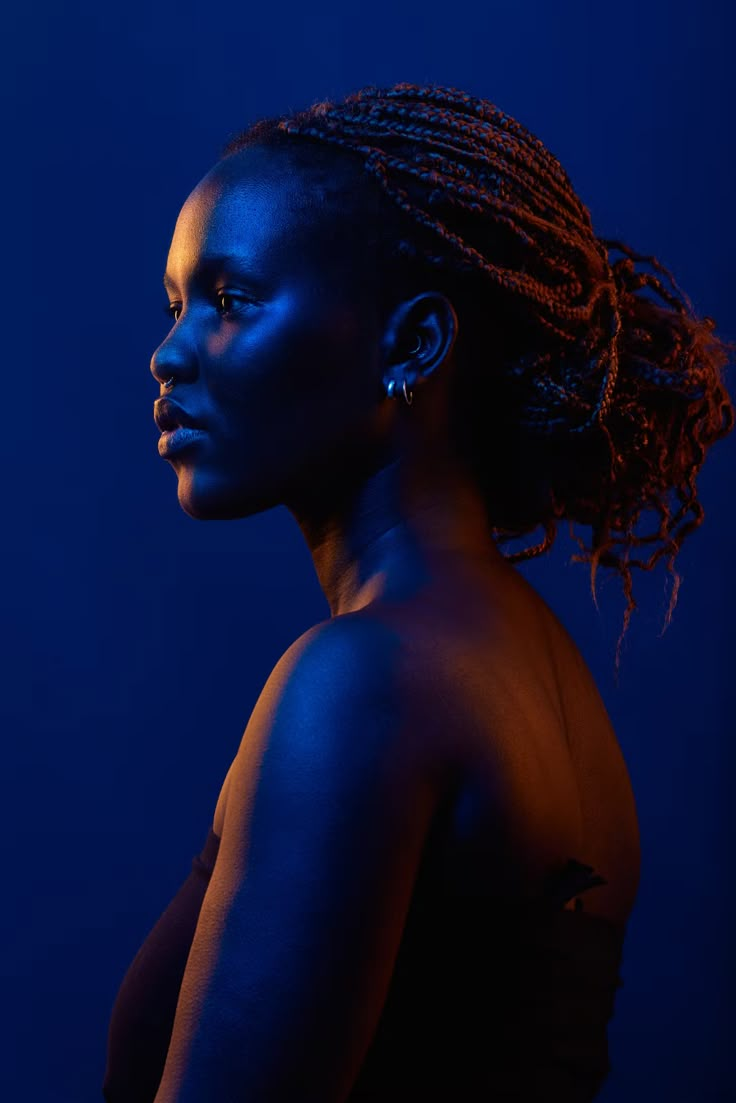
(170, 415)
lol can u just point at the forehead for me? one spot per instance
(260, 206)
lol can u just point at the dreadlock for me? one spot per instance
(605, 391)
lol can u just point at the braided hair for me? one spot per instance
(599, 390)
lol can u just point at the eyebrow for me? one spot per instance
(213, 262)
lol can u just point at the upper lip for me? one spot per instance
(170, 415)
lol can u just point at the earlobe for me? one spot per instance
(435, 328)
(392, 391)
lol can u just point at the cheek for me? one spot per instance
(294, 378)
(305, 364)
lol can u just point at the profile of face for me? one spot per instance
(275, 340)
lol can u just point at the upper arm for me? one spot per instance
(219, 813)
(327, 814)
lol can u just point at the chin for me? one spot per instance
(207, 499)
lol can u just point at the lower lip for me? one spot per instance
(176, 440)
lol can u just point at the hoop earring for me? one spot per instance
(391, 391)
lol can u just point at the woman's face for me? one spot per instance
(275, 342)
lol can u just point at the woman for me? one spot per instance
(425, 853)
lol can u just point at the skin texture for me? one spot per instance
(291, 388)
(438, 660)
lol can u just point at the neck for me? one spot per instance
(392, 532)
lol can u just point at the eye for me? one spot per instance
(173, 310)
(229, 303)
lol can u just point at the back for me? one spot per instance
(511, 954)
(509, 705)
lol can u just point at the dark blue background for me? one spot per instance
(135, 640)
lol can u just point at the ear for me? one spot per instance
(429, 319)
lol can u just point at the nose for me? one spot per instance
(170, 361)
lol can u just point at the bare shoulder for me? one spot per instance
(495, 706)
(324, 834)
(355, 664)
(511, 710)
